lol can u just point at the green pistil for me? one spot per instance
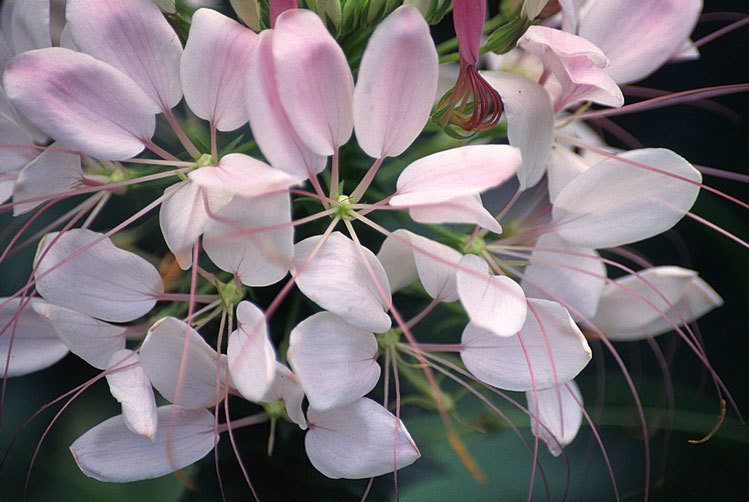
(342, 209)
(477, 246)
(230, 294)
(275, 409)
(389, 339)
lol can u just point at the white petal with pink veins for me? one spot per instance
(530, 122)
(131, 387)
(113, 453)
(252, 238)
(81, 101)
(134, 37)
(103, 281)
(556, 430)
(548, 350)
(271, 127)
(214, 68)
(493, 302)
(615, 202)
(251, 355)
(358, 441)
(314, 81)
(161, 356)
(335, 362)
(396, 84)
(35, 345)
(92, 340)
(338, 280)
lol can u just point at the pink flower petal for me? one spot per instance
(50, 173)
(29, 25)
(555, 346)
(112, 453)
(462, 209)
(314, 81)
(103, 281)
(35, 344)
(335, 362)
(358, 441)
(161, 358)
(396, 84)
(493, 302)
(81, 101)
(131, 387)
(271, 128)
(214, 68)
(251, 355)
(398, 260)
(134, 37)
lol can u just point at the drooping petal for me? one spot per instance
(35, 344)
(92, 340)
(286, 388)
(131, 387)
(338, 280)
(555, 430)
(335, 361)
(252, 358)
(240, 174)
(561, 272)
(252, 238)
(214, 66)
(314, 81)
(462, 209)
(548, 350)
(81, 101)
(103, 281)
(398, 260)
(50, 173)
(271, 127)
(111, 452)
(437, 267)
(161, 358)
(634, 306)
(530, 122)
(134, 37)
(358, 441)
(638, 36)
(615, 202)
(182, 218)
(577, 65)
(396, 84)
(496, 303)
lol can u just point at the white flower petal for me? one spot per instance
(131, 387)
(557, 431)
(251, 355)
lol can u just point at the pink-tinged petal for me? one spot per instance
(564, 166)
(130, 387)
(251, 355)
(35, 344)
(396, 84)
(466, 170)
(634, 306)
(553, 343)
(398, 260)
(6, 188)
(338, 280)
(214, 68)
(103, 281)
(29, 25)
(564, 273)
(92, 340)
(638, 36)
(468, 17)
(134, 37)
(493, 302)
(286, 388)
(314, 81)
(530, 122)
(462, 209)
(161, 358)
(271, 127)
(358, 441)
(112, 453)
(81, 101)
(278, 7)
(50, 173)
(240, 174)
(335, 362)
(615, 203)
(237, 240)
(437, 269)
(557, 431)
(577, 65)
(13, 159)
(182, 218)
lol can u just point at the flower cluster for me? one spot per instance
(370, 252)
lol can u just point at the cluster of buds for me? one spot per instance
(137, 100)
